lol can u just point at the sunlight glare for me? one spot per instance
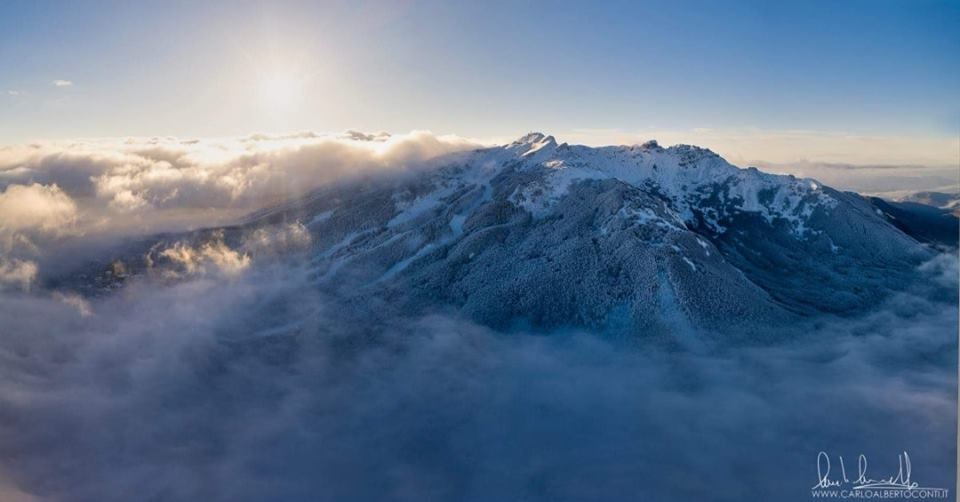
(280, 91)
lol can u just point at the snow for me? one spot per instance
(688, 175)
(833, 247)
(673, 314)
(646, 216)
(531, 144)
(704, 245)
(411, 210)
(402, 264)
(321, 217)
(684, 185)
(540, 145)
(456, 223)
(539, 196)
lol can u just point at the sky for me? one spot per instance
(781, 82)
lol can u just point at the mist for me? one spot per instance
(72, 200)
(250, 383)
(142, 185)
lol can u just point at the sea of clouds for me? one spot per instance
(96, 191)
(231, 376)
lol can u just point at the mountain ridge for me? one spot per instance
(639, 238)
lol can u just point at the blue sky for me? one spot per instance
(591, 72)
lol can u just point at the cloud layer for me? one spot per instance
(97, 190)
(885, 180)
(747, 146)
(253, 385)
(169, 183)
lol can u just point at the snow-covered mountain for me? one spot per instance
(925, 221)
(635, 239)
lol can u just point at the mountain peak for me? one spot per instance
(532, 143)
(535, 138)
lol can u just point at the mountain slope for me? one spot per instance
(634, 239)
(927, 223)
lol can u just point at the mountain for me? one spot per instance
(927, 222)
(636, 239)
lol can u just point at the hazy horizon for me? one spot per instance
(861, 83)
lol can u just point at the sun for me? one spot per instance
(280, 90)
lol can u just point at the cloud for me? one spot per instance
(12, 92)
(43, 207)
(747, 146)
(871, 178)
(150, 184)
(362, 136)
(76, 301)
(258, 386)
(210, 256)
(62, 83)
(17, 273)
(31, 212)
(277, 239)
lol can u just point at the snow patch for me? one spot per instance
(689, 176)
(321, 217)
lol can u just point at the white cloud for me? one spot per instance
(62, 83)
(277, 239)
(149, 184)
(210, 257)
(31, 216)
(76, 301)
(871, 179)
(12, 92)
(36, 207)
(17, 273)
